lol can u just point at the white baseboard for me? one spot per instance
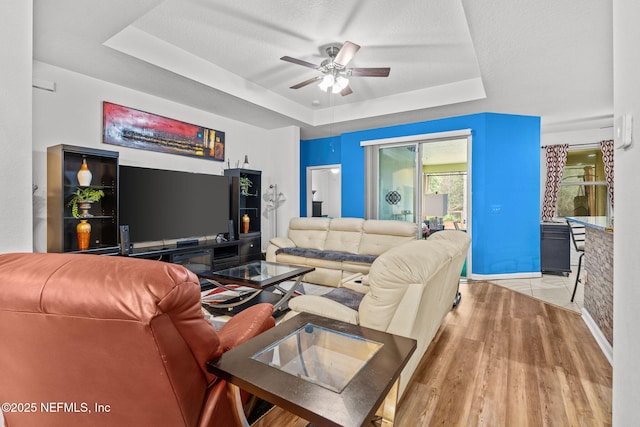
(606, 348)
(489, 277)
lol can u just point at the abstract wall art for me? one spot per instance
(133, 128)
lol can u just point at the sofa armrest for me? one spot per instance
(282, 242)
(275, 244)
(324, 307)
(356, 282)
(246, 325)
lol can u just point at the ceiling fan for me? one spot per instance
(334, 69)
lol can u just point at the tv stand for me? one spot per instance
(184, 243)
(215, 255)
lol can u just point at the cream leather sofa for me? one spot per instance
(411, 288)
(337, 247)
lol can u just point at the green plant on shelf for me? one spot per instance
(84, 196)
(245, 183)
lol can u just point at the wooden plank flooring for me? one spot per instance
(504, 359)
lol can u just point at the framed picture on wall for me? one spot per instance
(133, 128)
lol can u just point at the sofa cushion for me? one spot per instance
(344, 235)
(378, 236)
(309, 232)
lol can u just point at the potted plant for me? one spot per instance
(82, 198)
(245, 183)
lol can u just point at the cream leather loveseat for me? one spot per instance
(337, 247)
(411, 288)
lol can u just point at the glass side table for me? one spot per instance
(323, 356)
(329, 372)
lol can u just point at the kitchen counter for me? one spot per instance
(598, 222)
(598, 271)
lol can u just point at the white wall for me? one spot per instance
(626, 268)
(73, 115)
(284, 161)
(15, 125)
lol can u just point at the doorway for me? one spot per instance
(324, 191)
(445, 184)
(423, 179)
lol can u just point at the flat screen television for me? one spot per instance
(172, 205)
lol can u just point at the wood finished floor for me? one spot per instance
(504, 359)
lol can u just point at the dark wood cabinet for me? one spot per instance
(246, 203)
(316, 208)
(250, 248)
(63, 163)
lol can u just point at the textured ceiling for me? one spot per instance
(447, 57)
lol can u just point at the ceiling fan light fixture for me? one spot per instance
(327, 82)
(341, 83)
(334, 69)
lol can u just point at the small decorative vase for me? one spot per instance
(85, 206)
(84, 174)
(83, 230)
(245, 223)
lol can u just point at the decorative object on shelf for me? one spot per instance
(245, 183)
(82, 199)
(245, 223)
(133, 128)
(245, 165)
(84, 174)
(83, 231)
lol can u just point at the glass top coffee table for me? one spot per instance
(326, 371)
(258, 276)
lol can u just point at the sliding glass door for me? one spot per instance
(397, 183)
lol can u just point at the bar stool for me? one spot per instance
(577, 232)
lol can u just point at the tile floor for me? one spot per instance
(552, 288)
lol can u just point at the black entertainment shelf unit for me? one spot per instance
(246, 204)
(221, 255)
(63, 163)
(201, 258)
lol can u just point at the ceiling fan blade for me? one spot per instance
(300, 62)
(346, 91)
(346, 53)
(306, 82)
(369, 72)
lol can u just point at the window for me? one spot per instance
(583, 190)
(453, 184)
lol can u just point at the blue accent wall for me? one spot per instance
(505, 208)
(318, 152)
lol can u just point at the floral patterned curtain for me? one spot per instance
(556, 160)
(607, 159)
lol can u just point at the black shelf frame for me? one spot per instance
(63, 163)
(250, 204)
